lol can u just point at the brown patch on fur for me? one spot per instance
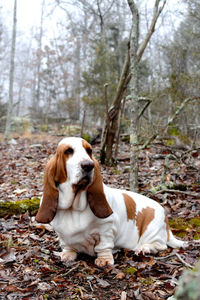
(88, 147)
(55, 173)
(144, 218)
(167, 227)
(130, 207)
(95, 194)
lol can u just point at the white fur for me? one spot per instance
(80, 230)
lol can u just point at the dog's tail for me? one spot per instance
(174, 242)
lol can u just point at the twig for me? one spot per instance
(90, 286)
(144, 108)
(151, 139)
(184, 262)
(178, 192)
(179, 109)
(71, 270)
(179, 257)
(189, 151)
(164, 257)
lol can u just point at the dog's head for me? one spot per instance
(75, 164)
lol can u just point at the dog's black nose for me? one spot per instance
(87, 165)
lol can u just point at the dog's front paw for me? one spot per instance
(68, 255)
(102, 262)
(104, 259)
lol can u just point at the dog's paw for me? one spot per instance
(150, 248)
(104, 259)
(68, 255)
(102, 262)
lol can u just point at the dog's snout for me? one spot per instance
(87, 165)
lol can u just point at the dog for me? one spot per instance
(93, 218)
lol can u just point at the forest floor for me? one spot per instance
(29, 266)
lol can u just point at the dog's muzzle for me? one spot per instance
(87, 167)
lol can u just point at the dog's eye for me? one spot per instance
(69, 151)
(89, 151)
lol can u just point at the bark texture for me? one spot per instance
(134, 96)
(11, 74)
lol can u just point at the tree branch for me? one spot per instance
(144, 108)
(180, 108)
(170, 120)
(156, 13)
(195, 195)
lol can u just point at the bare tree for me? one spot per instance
(11, 75)
(39, 51)
(134, 37)
(109, 131)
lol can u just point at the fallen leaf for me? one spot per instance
(120, 275)
(101, 282)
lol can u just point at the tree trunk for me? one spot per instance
(76, 85)
(108, 135)
(112, 115)
(38, 78)
(11, 75)
(134, 96)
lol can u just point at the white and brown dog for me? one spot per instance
(92, 218)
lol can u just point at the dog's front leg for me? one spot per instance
(104, 258)
(68, 254)
(104, 251)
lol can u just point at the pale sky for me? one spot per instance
(29, 11)
(29, 14)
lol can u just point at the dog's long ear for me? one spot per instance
(95, 195)
(55, 173)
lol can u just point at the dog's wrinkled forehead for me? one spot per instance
(80, 148)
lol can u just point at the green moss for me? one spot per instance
(147, 281)
(130, 271)
(182, 227)
(196, 236)
(181, 234)
(116, 171)
(19, 207)
(195, 222)
(172, 130)
(178, 223)
(171, 142)
(44, 127)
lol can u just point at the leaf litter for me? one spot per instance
(30, 267)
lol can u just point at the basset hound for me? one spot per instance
(92, 218)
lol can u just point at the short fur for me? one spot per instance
(93, 218)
